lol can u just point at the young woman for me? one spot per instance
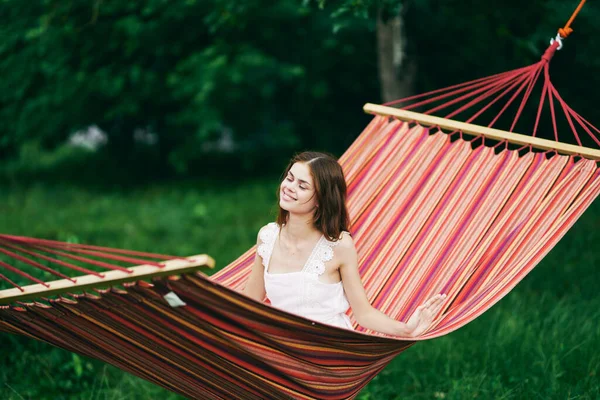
(306, 262)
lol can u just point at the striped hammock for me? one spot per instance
(432, 212)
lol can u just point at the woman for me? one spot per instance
(306, 262)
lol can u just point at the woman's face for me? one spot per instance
(297, 191)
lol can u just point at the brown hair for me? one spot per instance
(331, 216)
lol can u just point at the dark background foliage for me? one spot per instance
(273, 76)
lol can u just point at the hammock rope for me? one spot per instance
(41, 250)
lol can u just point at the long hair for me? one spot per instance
(331, 216)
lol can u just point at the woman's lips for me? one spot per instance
(286, 197)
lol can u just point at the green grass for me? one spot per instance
(542, 341)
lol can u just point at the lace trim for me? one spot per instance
(323, 252)
(267, 236)
(315, 267)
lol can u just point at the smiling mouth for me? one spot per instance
(287, 196)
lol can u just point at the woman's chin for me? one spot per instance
(284, 205)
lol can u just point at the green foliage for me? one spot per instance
(185, 71)
(277, 76)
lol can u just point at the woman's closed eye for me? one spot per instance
(291, 179)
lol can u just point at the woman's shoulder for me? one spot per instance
(269, 226)
(345, 243)
(267, 232)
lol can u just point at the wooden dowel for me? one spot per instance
(115, 277)
(472, 129)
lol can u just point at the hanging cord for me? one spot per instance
(567, 30)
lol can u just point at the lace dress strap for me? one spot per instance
(267, 236)
(323, 252)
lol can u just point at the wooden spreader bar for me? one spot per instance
(472, 129)
(110, 278)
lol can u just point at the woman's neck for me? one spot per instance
(299, 228)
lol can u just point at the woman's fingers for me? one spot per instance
(429, 303)
(433, 305)
(436, 309)
(441, 303)
(426, 313)
(438, 303)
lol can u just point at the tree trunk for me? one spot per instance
(396, 71)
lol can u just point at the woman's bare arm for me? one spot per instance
(255, 286)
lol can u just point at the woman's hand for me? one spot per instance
(424, 315)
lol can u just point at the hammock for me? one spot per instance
(432, 212)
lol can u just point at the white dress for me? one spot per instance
(302, 293)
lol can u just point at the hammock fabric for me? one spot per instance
(431, 212)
